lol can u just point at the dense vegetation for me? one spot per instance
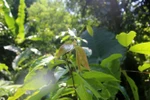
(74, 49)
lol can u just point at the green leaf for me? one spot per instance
(132, 85)
(9, 17)
(81, 58)
(142, 48)
(113, 64)
(90, 30)
(82, 93)
(3, 67)
(124, 92)
(126, 39)
(20, 22)
(106, 62)
(58, 93)
(18, 94)
(102, 44)
(144, 67)
(99, 76)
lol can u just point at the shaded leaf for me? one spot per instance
(90, 30)
(132, 86)
(102, 44)
(124, 92)
(142, 48)
(81, 58)
(126, 39)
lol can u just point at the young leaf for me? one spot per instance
(89, 29)
(132, 85)
(142, 48)
(144, 67)
(8, 17)
(66, 47)
(20, 22)
(81, 58)
(126, 39)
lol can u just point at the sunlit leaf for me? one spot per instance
(9, 17)
(18, 94)
(144, 67)
(90, 30)
(59, 72)
(66, 47)
(132, 85)
(126, 39)
(65, 38)
(3, 67)
(142, 48)
(81, 58)
(20, 22)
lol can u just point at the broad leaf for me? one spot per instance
(106, 62)
(90, 30)
(126, 39)
(102, 44)
(113, 64)
(144, 67)
(132, 85)
(99, 76)
(83, 93)
(142, 48)
(81, 58)
(20, 22)
(79, 80)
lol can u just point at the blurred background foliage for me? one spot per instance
(49, 23)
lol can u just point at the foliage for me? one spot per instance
(87, 67)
